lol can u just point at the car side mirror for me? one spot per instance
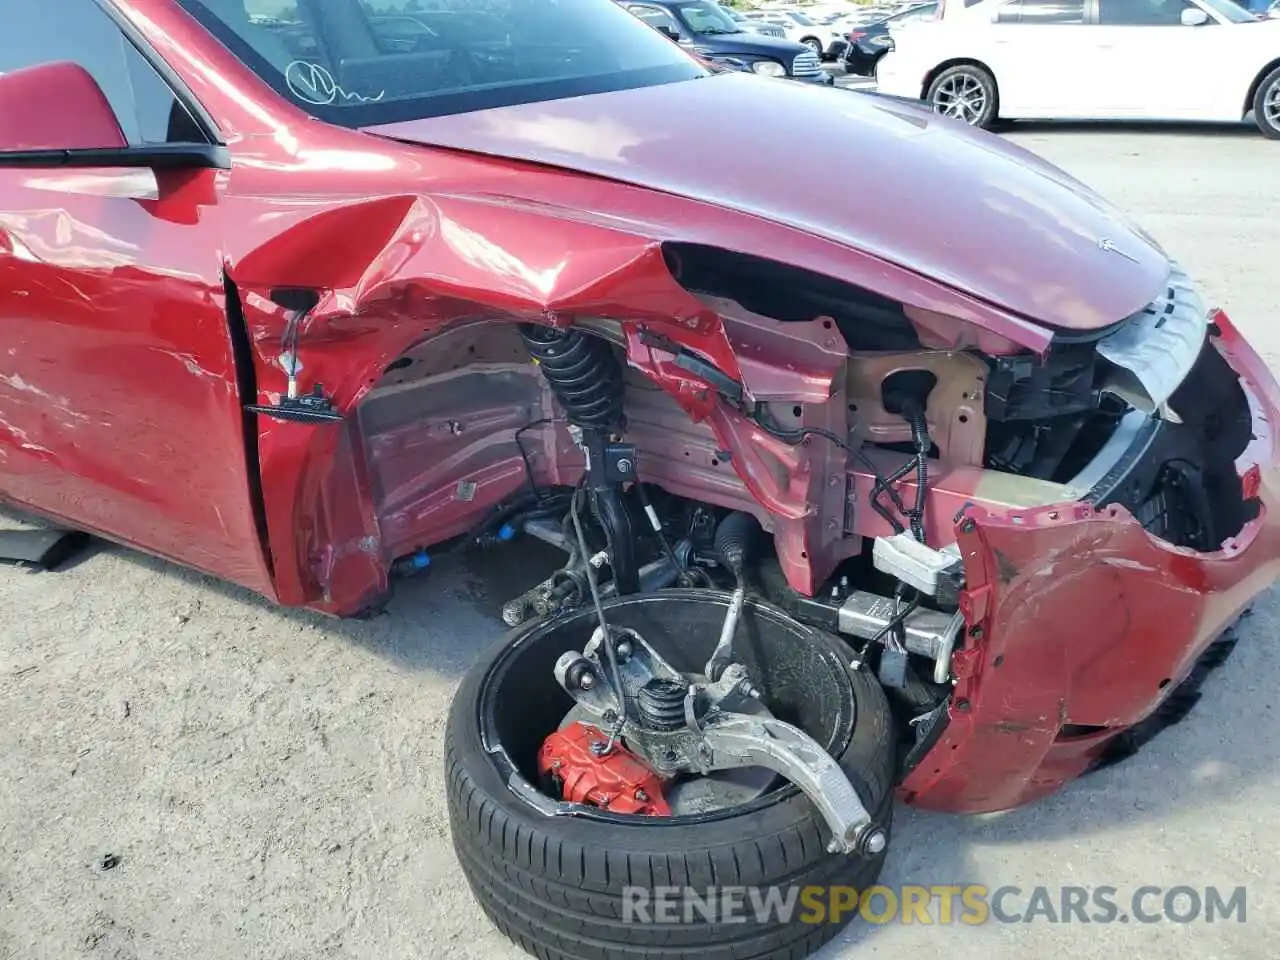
(1194, 17)
(80, 118)
(56, 115)
(671, 33)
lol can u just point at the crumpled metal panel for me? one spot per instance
(1079, 617)
(1160, 343)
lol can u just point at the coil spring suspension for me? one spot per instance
(586, 378)
(583, 373)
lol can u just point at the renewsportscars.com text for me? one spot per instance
(940, 904)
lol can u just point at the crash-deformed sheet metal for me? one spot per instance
(1160, 344)
(1079, 616)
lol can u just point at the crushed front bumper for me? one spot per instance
(1080, 623)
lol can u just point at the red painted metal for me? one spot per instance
(617, 781)
(939, 199)
(119, 407)
(121, 402)
(27, 123)
(1083, 618)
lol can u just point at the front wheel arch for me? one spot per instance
(1257, 82)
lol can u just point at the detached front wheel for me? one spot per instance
(966, 92)
(576, 881)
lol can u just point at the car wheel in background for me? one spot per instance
(1266, 105)
(966, 92)
(814, 44)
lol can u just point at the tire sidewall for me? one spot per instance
(984, 77)
(1270, 83)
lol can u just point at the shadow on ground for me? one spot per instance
(1245, 130)
(436, 621)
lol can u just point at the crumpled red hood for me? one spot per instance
(929, 194)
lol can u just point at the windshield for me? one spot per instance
(363, 62)
(1231, 12)
(913, 13)
(705, 17)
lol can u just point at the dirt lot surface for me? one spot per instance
(271, 781)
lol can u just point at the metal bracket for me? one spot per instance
(313, 407)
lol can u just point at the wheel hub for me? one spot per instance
(694, 796)
(680, 725)
(961, 96)
(1271, 104)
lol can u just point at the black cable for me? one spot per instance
(606, 638)
(681, 573)
(524, 456)
(883, 485)
(920, 434)
(896, 623)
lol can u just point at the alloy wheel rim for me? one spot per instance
(1271, 104)
(961, 96)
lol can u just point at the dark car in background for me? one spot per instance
(871, 41)
(706, 29)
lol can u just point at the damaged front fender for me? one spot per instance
(391, 275)
(388, 274)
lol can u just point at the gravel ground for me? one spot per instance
(271, 781)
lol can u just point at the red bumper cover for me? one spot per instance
(1080, 623)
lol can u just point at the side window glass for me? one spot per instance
(48, 31)
(1042, 11)
(276, 31)
(654, 17)
(1142, 13)
(1009, 12)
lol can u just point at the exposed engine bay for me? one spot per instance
(860, 437)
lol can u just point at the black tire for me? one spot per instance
(554, 884)
(814, 44)
(1266, 105)
(966, 76)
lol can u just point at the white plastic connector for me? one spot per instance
(914, 563)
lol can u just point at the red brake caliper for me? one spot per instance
(617, 781)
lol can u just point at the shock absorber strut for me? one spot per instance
(586, 379)
(582, 371)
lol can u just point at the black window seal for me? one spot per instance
(177, 86)
(154, 156)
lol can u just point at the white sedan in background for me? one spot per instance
(1207, 60)
(800, 27)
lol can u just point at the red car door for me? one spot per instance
(120, 407)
